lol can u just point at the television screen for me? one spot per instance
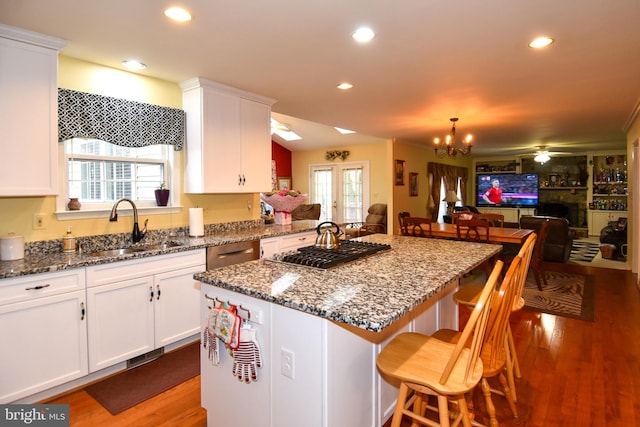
(507, 190)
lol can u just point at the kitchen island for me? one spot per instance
(319, 331)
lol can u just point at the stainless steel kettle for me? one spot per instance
(327, 239)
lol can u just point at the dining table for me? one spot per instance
(496, 234)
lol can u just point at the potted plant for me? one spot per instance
(162, 195)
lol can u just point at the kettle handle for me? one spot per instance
(339, 232)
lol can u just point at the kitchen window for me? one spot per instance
(99, 173)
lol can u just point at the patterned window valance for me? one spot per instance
(118, 121)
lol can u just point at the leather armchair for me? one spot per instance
(375, 222)
(306, 211)
(557, 247)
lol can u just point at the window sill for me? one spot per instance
(122, 210)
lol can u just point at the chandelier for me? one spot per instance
(449, 147)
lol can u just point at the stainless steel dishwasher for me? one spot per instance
(232, 253)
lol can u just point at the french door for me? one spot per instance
(341, 189)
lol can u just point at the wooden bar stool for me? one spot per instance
(426, 366)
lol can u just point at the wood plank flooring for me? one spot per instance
(575, 373)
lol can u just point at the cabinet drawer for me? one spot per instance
(41, 285)
(125, 270)
(298, 240)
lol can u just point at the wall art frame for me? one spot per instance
(413, 184)
(399, 172)
(284, 183)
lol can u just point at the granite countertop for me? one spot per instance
(370, 293)
(48, 257)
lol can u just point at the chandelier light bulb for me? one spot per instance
(449, 149)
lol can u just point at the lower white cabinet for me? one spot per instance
(139, 305)
(290, 242)
(43, 331)
(600, 219)
(510, 214)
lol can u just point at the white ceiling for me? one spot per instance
(430, 60)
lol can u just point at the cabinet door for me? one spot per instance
(28, 118)
(44, 344)
(120, 321)
(221, 151)
(177, 305)
(269, 247)
(255, 152)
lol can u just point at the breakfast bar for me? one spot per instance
(319, 330)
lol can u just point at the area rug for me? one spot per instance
(566, 294)
(584, 251)
(127, 389)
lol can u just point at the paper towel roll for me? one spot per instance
(196, 222)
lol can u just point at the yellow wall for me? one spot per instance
(416, 158)
(376, 154)
(16, 213)
(633, 136)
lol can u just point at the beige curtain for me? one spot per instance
(451, 175)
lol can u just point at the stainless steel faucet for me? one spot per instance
(136, 234)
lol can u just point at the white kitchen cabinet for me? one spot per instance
(140, 305)
(43, 331)
(28, 112)
(600, 219)
(290, 242)
(228, 147)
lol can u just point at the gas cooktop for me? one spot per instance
(349, 250)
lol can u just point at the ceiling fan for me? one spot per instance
(543, 155)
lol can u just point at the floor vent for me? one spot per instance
(145, 358)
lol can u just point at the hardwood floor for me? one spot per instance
(179, 406)
(574, 373)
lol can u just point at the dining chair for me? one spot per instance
(403, 228)
(495, 220)
(495, 351)
(472, 230)
(426, 366)
(468, 296)
(462, 214)
(537, 259)
(417, 226)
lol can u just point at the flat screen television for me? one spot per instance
(513, 190)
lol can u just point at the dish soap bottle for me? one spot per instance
(68, 242)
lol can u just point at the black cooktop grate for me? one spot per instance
(348, 250)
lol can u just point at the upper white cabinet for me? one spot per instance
(28, 112)
(228, 146)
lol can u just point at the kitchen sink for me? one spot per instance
(161, 246)
(116, 252)
(124, 251)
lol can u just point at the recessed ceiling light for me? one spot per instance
(541, 42)
(132, 64)
(177, 14)
(363, 34)
(345, 86)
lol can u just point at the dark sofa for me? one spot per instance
(557, 247)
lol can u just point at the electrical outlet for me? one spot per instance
(287, 360)
(38, 221)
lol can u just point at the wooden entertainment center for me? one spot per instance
(589, 189)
